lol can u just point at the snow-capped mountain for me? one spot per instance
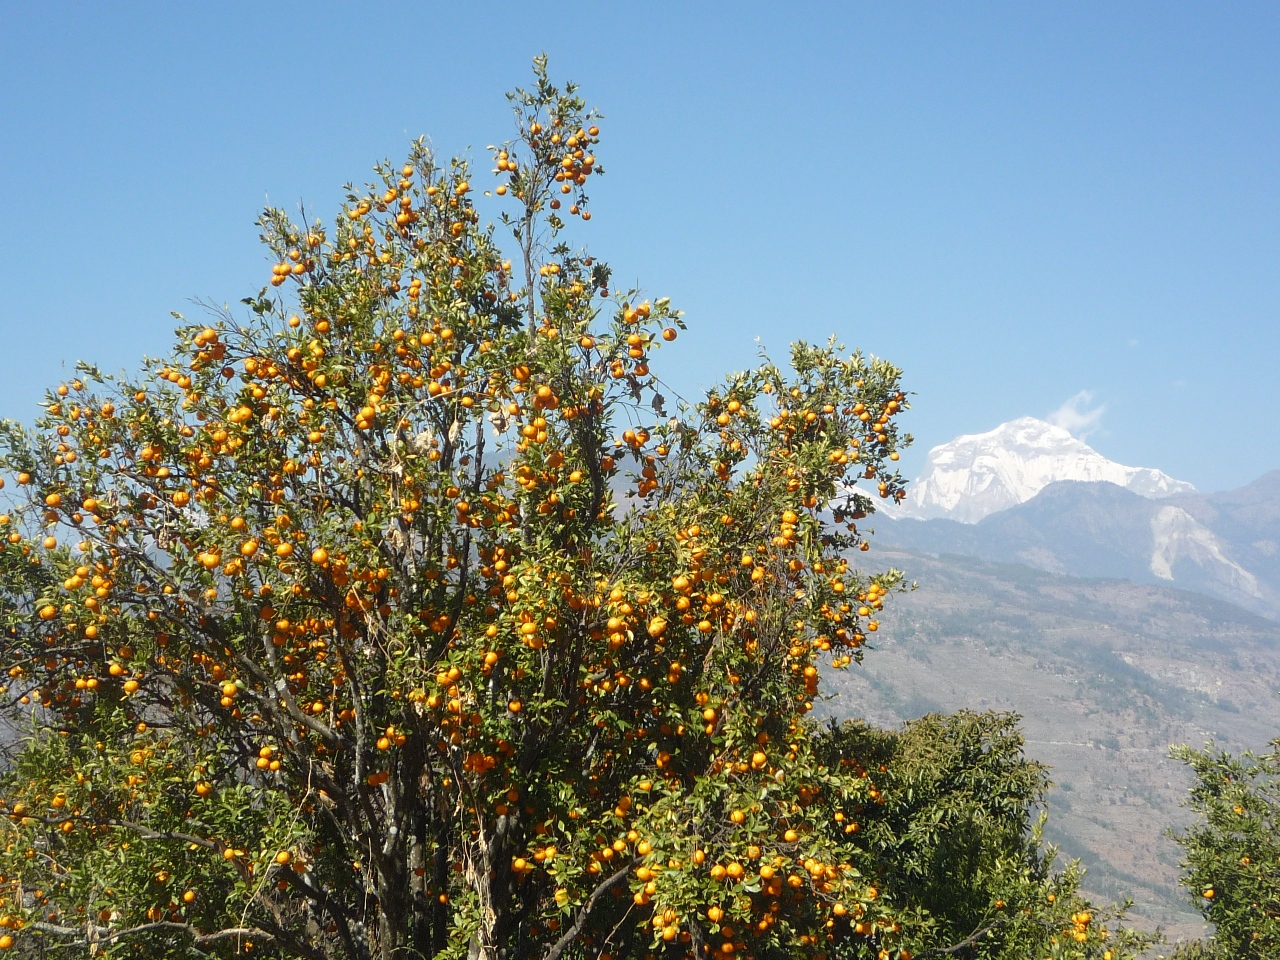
(1030, 493)
(980, 474)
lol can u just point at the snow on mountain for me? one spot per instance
(980, 474)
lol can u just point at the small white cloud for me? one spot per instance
(1078, 415)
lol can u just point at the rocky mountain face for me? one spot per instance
(1226, 545)
(1247, 522)
(979, 474)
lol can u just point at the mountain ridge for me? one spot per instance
(1222, 545)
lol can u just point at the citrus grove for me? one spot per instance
(398, 617)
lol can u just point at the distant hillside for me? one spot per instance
(1226, 545)
(1248, 521)
(1107, 674)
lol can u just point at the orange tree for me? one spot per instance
(397, 618)
(1231, 854)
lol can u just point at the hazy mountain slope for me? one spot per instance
(1086, 529)
(1107, 675)
(1248, 519)
(1216, 544)
(976, 475)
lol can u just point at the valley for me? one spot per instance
(1106, 673)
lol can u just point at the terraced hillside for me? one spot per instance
(1106, 673)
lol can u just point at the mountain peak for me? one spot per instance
(979, 474)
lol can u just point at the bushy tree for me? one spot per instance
(952, 831)
(1232, 851)
(395, 615)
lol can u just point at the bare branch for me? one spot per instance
(97, 935)
(584, 911)
(968, 941)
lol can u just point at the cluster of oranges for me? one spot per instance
(561, 158)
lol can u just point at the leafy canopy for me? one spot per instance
(952, 836)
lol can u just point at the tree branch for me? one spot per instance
(95, 934)
(968, 941)
(585, 910)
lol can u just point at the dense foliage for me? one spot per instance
(1232, 851)
(954, 835)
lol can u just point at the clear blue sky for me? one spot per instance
(1014, 202)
